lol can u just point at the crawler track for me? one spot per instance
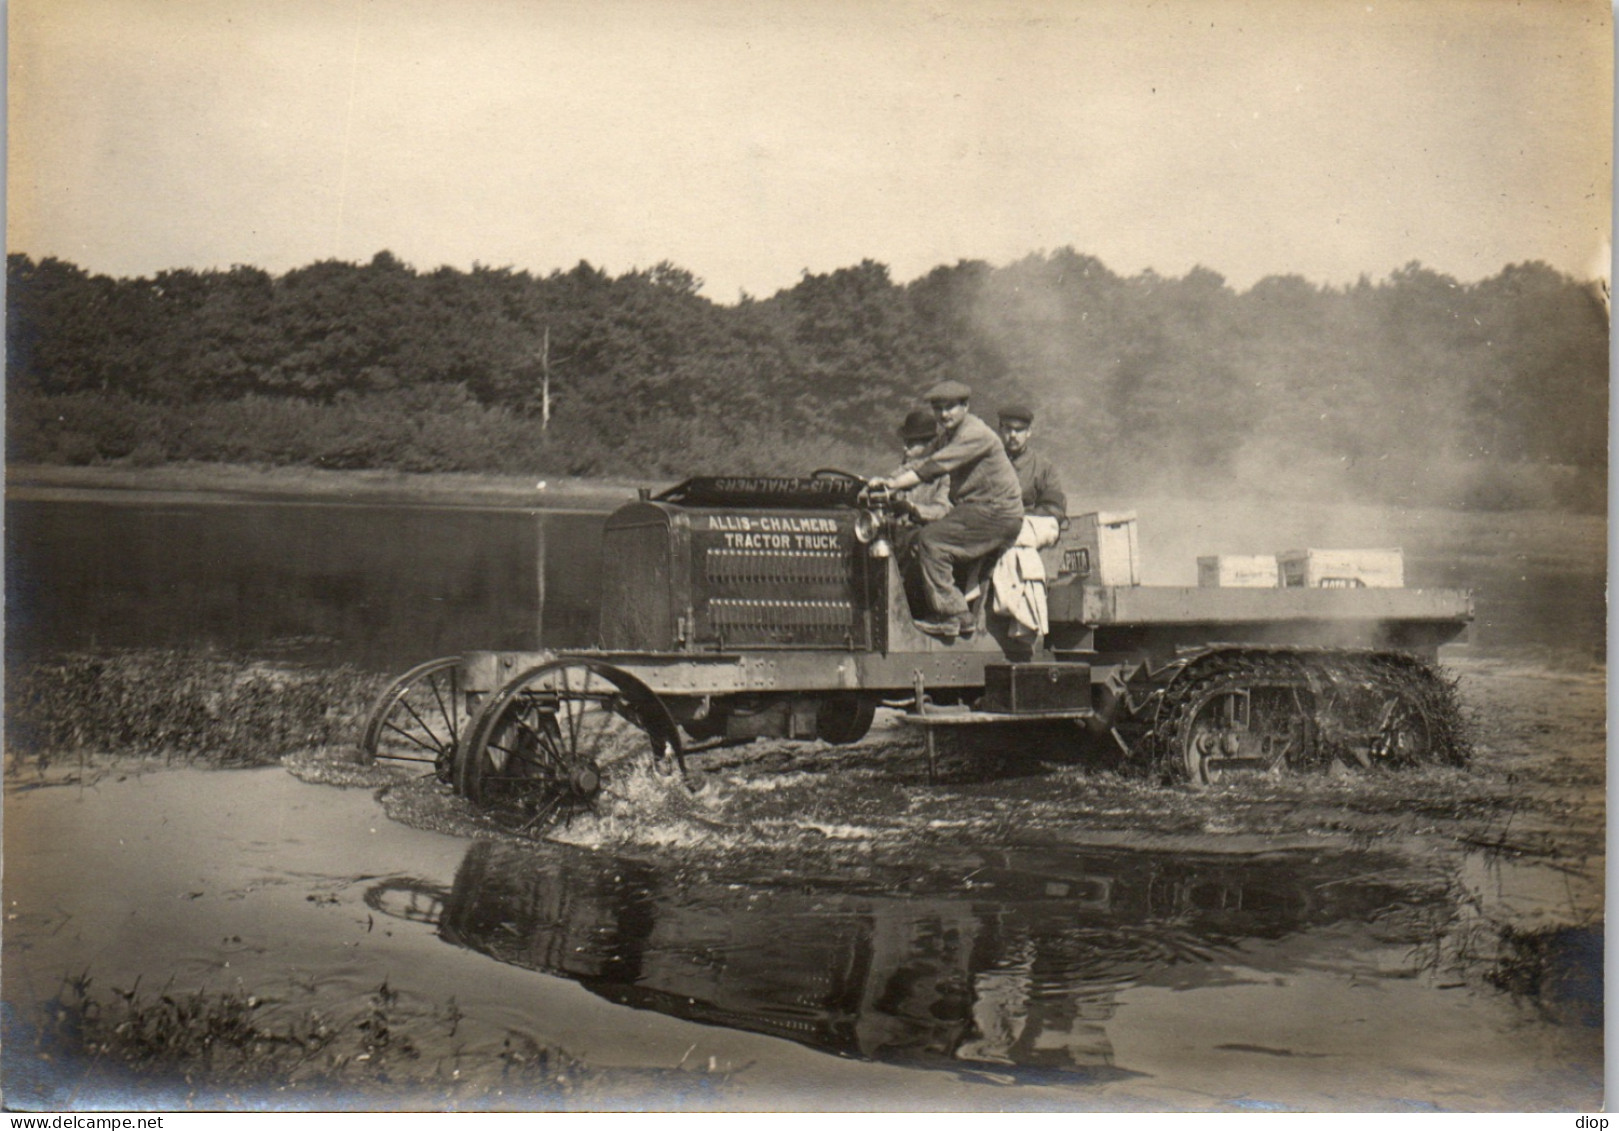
(1245, 710)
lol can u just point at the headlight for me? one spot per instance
(866, 527)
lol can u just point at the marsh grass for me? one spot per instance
(220, 1048)
(220, 1039)
(197, 1036)
(1558, 969)
(183, 706)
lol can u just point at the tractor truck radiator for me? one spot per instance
(682, 578)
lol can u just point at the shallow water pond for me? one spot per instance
(975, 975)
(812, 928)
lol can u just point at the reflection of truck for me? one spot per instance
(1007, 958)
(738, 608)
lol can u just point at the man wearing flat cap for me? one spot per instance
(926, 502)
(1037, 478)
(986, 504)
(922, 504)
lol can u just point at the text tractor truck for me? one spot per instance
(738, 608)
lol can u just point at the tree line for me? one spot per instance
(1412, 389)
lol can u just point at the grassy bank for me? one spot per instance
(67, 716)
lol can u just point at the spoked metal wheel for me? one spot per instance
(560, 739)
(418, 718)
(1245, 730)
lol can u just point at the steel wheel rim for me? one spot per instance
(418, 718)
(557, 741)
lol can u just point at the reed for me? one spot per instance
(189, 707)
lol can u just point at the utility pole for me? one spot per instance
(545, 380)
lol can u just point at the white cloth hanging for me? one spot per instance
(1039, 531)
(1019, 578)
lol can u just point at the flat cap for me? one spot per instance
(947, 391)
(919, 425)
(1017, 411)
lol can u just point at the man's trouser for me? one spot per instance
(967, 533)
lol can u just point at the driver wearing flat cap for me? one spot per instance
(986, 504)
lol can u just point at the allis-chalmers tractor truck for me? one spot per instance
(740, 608)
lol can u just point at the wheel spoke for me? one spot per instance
(411, 711)
(550, 807)
(405, 713)
(545, 746)
(592, 730)
(545, 740)
(521, 754)
(542, 739)
(405, 734)
(438, 746)
(512, 756)
(606, 718)
(446, 712)
(573, 722)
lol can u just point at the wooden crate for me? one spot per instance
(1103, 548)
(1342, 569)
(1238, 571)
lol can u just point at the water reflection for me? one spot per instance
(379, 586)
(386, 586)
(1015, 962)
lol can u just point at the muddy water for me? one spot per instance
(388, 586)
(378, 586)
(815, 928)
(843, 969)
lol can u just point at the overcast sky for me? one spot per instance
(750, 140)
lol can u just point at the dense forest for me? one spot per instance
(1416, 389)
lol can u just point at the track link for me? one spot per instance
(1235, 710)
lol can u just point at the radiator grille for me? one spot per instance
(799, 597)
(759, 567)
(828, 621)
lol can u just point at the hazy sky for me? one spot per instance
(749, 140)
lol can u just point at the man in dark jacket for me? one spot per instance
(986, 504)
(918, 506)
(1037, 478)
(926, 502)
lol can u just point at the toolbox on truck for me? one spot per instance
(1022, 689)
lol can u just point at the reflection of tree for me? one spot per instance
(1021, 968)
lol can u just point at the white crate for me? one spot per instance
(1102, 548)
(1342, 569)
(1238, 571)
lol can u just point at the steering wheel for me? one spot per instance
(837, 473)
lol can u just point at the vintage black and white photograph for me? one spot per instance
(770, 555)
